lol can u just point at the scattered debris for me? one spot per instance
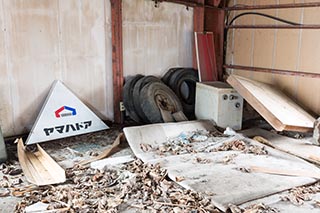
(37, 207)
(179, 178)
(255, 208)
(4, 192)
(316, 204)
(244, 169)
(137, 185)
(202, 160)
(228, 159)
(183, 143)
(146, 147)
(298, 195)
(106, 152)
(239, 145)
(229, 131)
(10, 169)
(236, 145)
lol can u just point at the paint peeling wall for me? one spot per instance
(291, 49)
(41, 41)
(155, 39)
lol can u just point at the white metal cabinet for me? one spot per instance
(219, 102)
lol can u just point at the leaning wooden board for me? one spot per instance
(38, 167)
(274, 106)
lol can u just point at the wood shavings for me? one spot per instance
(110, 190)
(4, 192)
(179, 178)
(255, 208)
(239, 145)
(145, 147)
(298, 195)
(10, 169)
(260, 208)
(244, 169)
(236, 145)
(228, 159)
(202, 160)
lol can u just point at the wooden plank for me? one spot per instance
(274, 106)
(297, 173)
(106, 152)
(38, 167)
(297, 147)
(117, 57)
(166, 115)
(179, 116)
(206, 57)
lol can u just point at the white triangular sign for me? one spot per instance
(63, 115)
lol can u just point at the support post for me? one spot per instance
(117, 57)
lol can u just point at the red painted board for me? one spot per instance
(206, 57)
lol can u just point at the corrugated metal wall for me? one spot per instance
(291, 49)
(70, 40)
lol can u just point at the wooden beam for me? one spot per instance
(214, 22)
(192, 3)
(274, 6)
(198, 26)
(117, 57)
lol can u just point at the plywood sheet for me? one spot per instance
(214, 176)
(298, 147)
(280, 111)
(291, 49)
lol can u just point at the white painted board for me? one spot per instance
(63, 115)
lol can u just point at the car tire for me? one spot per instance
(155, 95)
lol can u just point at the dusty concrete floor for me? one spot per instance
(66, 152)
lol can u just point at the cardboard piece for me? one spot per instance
(38, 167)
(63, 115)
(274, 106)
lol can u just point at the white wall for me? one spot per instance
(70, 40)
(155, 39)
(41, 41)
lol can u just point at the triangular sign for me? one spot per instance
(63, 115)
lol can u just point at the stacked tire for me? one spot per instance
(183, 82)
(144, 97)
